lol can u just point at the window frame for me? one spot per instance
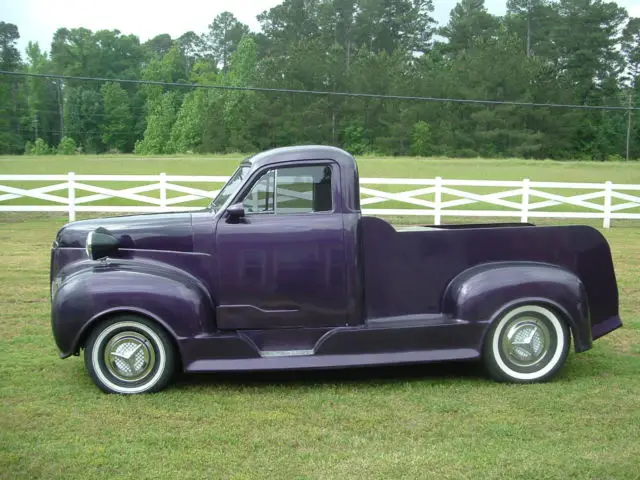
(260, 173)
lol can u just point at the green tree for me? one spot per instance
(192, 47)
(117, 124)
(392, 25)
(188, 130)
(67, 146)
(240, 106)
(223, 37)
(83, 115)
(421, 139)
(631, 51)
(40, 147)
(588, 45)
(169, 68)
(74, 52)
(159, 45)
(10, 130)
(287, 23)
(41, 119)
(533, 21)
(82, 52)
(159, 124)
(589, 53)
(631, 79)
(541, 51)
(470, 23)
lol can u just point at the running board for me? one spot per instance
(307, 362)
(383, 341)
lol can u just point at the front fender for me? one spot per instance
(175, 300)
(482, 293)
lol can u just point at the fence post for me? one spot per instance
(607, 205)
(438, 201)
(163, 191)
(72, 196)
(525, 201)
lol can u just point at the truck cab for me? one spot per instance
(286, 242)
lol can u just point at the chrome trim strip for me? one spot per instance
(285, 353)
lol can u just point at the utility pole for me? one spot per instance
(628, 124)
(529, 28)
(333, 127)
(60, 108)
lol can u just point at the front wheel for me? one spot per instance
(129, 354)
(527, 344)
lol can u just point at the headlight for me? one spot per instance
(101, 243)
(89, 244)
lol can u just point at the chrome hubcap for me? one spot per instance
(526, 342)
(129, 356)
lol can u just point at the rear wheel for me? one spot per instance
(129, 354)
(529, 343)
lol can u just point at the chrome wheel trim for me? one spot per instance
(156, 346)
(507, 326)
(526, 341)
(129, 356)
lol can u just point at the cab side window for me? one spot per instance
(261, 197)
(287, 190)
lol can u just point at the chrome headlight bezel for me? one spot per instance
(89, 244)
(55, 286)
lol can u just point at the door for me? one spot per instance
(283, 264)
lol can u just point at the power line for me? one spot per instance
(66, 132)
(319, 92)
(27, 111)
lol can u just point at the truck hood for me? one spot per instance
(157, 231)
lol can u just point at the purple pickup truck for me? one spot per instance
(282, 271)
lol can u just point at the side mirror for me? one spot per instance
(101, 243)
(235, 211)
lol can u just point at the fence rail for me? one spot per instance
(444, 196)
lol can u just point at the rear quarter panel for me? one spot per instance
(483, 293)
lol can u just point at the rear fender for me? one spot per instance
(484, 292)
(175, 300)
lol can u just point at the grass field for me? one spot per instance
(402, 167)
(436, 421)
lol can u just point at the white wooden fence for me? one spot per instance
(534, 198)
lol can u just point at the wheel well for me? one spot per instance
(82, 339)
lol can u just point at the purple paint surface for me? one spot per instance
(351, 290)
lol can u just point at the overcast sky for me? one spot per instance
(37, 20)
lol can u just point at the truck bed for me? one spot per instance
(407, 270)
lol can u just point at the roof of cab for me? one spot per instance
(301, 153)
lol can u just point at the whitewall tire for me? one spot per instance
(129, 354)
(528, 343)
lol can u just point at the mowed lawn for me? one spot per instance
(434, 421)
(402, 167)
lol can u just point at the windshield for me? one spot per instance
(230, 188)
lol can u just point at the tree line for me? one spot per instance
(562, 52)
